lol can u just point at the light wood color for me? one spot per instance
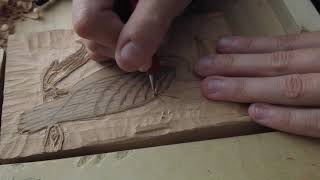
(265, 156)
(246, 17)
(2, 65)
(93, 108)
(57, 16)
(252, 18)
(301, 13)
(2, 57)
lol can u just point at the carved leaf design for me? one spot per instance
(57, 71)
(107, 91)
(54, 138)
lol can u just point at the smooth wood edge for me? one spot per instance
(252, 18)
(304, 14)
(201, 134)
(2, 75)
(288, 22)
(296, 16)
(262, 156)
(84, 151)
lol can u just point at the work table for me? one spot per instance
(252, 153)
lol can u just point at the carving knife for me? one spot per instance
(124, 8)
(155, 67)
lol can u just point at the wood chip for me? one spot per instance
(4, 27)
(10, 12)
(19, 4)
(27, 6)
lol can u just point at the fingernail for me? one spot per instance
(131, 52)
(144, 68)
(260, 112)
(204, 64)
(225, 42)
(215, 86)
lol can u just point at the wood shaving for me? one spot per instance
(10, 12)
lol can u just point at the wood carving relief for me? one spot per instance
(110, 90)
(107, 91)
(59, 100)
(56, 72)
(54, 138)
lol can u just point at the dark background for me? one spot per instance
(316, 4)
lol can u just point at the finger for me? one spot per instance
(287, 90)
(99, 49)
(268, 44)
(98, 57)
(292, 120)
(96, 21)
(266, 64)
(145, 30)
(145, 67)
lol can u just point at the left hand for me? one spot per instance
(280, 76)
(131, 44)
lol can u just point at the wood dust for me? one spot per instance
(12, 11)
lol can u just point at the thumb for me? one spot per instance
(142, 35)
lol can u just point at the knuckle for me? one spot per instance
(224, 61)
(240, 91)
(82, 26)
(280, 61)
(293, 86)
(287, 42)
(90, 47)
(287, 118)
(250, 43)
(312, 121)
(317, 124)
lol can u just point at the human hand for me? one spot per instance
(132, 44)
(280, 76)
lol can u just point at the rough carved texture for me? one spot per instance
(54, 138)
(58, 71)
(10, 12)
(181, 108)
(105, 92)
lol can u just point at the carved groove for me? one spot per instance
(58, 71)
(54, 139)
(105, 92)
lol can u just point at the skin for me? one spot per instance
(132, 44)
(278, 76)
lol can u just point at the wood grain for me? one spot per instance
(2, 71)
(57, 71)
(107, 91)
(268, 156)
(155, 126)
(180, 109)
(2, 57)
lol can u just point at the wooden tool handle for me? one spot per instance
(155, 66)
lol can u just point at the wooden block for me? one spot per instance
(301, 13)
(265, 156)
(2, 69)
(57, 104)
(2, 58)
(56, 16)
(28, 60)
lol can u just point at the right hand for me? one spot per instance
(132, 44)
